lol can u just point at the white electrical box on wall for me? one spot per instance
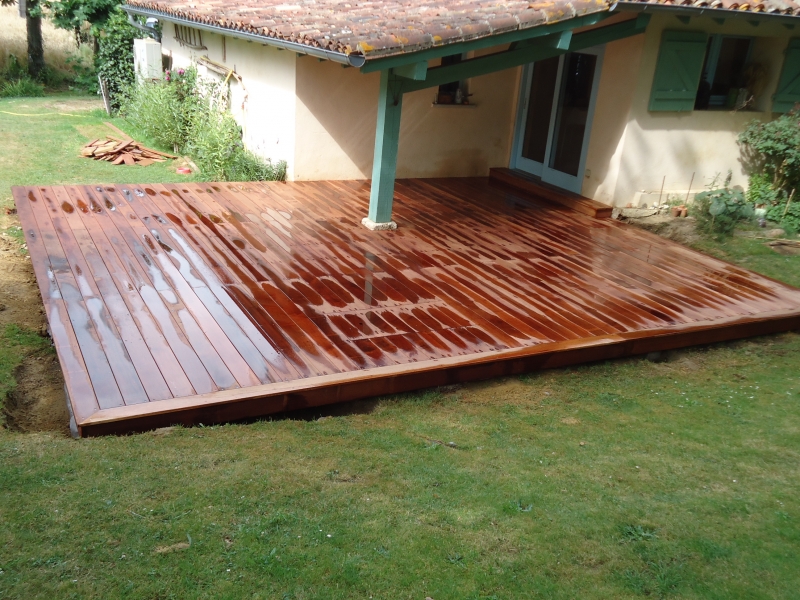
(147, 59)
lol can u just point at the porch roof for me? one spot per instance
(382, 28)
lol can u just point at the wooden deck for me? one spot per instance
(199, 303)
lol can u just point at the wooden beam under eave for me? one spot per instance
(532, 51)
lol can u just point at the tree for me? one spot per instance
(33, 24)
(72, 14)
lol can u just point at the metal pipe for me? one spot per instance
(351, 60)
(146, 28)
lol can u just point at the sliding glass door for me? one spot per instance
(555, 117)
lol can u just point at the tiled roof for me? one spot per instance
(378, 28)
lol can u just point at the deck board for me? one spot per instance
(188, 303)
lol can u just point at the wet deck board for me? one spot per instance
(204, 302)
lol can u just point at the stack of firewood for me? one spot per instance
(123, 152)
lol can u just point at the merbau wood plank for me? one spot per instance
(109, 391)
(96, 277)
(84, 401)
(101, 255)
(195, 321)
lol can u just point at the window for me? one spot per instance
(449, 92)
(723, 72)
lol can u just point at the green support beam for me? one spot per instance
(415, 75)
(538, 49)
(384, 167)
(416, 71)
(391, 62)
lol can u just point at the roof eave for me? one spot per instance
(704, 11)
(353, 59)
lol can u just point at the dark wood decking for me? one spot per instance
(206, 302)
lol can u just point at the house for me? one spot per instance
(621, 102)
(203, 302)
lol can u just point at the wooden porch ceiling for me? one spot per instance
(189, 303)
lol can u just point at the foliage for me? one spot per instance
(191, 116)
(773, 148)
(14, 69)
(114, 59)
(22, 88)
(72, 14)
(790, 221)
(760, 190)
(164, 109)
(719, 210)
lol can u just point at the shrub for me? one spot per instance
(191, 116)
(773, 149)
(22, 88)
(163, 109)
(114, 59)
(790, 221)
(719, 210)
(760, 190)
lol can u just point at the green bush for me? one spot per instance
(760, 190)
(164, 109)
(790, 222)
(22, 88)
(719, 210)
(114, 58)
(773, 149)
(192, 117)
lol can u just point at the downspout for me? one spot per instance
(351, 60)
(155, 33)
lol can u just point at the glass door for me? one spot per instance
(555, 117)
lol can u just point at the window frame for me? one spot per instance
(707, 75)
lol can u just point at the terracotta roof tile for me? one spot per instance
(386, 27)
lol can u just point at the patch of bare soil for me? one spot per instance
(38, 403)
(678, 229)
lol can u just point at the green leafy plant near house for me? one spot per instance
(192, 116)
(720, 209)
(772, 151)
(114, 58)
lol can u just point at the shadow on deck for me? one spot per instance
(202, 303)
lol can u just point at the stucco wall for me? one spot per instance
(264, 104)
(337, 113)
(633, 150)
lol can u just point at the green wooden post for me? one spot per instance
(384, 167)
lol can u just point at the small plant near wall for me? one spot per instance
(719, 209)
(192, 116)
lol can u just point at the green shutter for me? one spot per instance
(678, 70)
(788, 92)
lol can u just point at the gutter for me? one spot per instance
(350, 60)
(703, 11)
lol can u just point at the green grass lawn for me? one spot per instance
(41, 142)
(627, 479)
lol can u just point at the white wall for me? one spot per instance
(337, 114)
(633, 150)
(264, 102)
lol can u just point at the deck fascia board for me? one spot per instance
(403, 378)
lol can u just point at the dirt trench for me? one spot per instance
(38, 402)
